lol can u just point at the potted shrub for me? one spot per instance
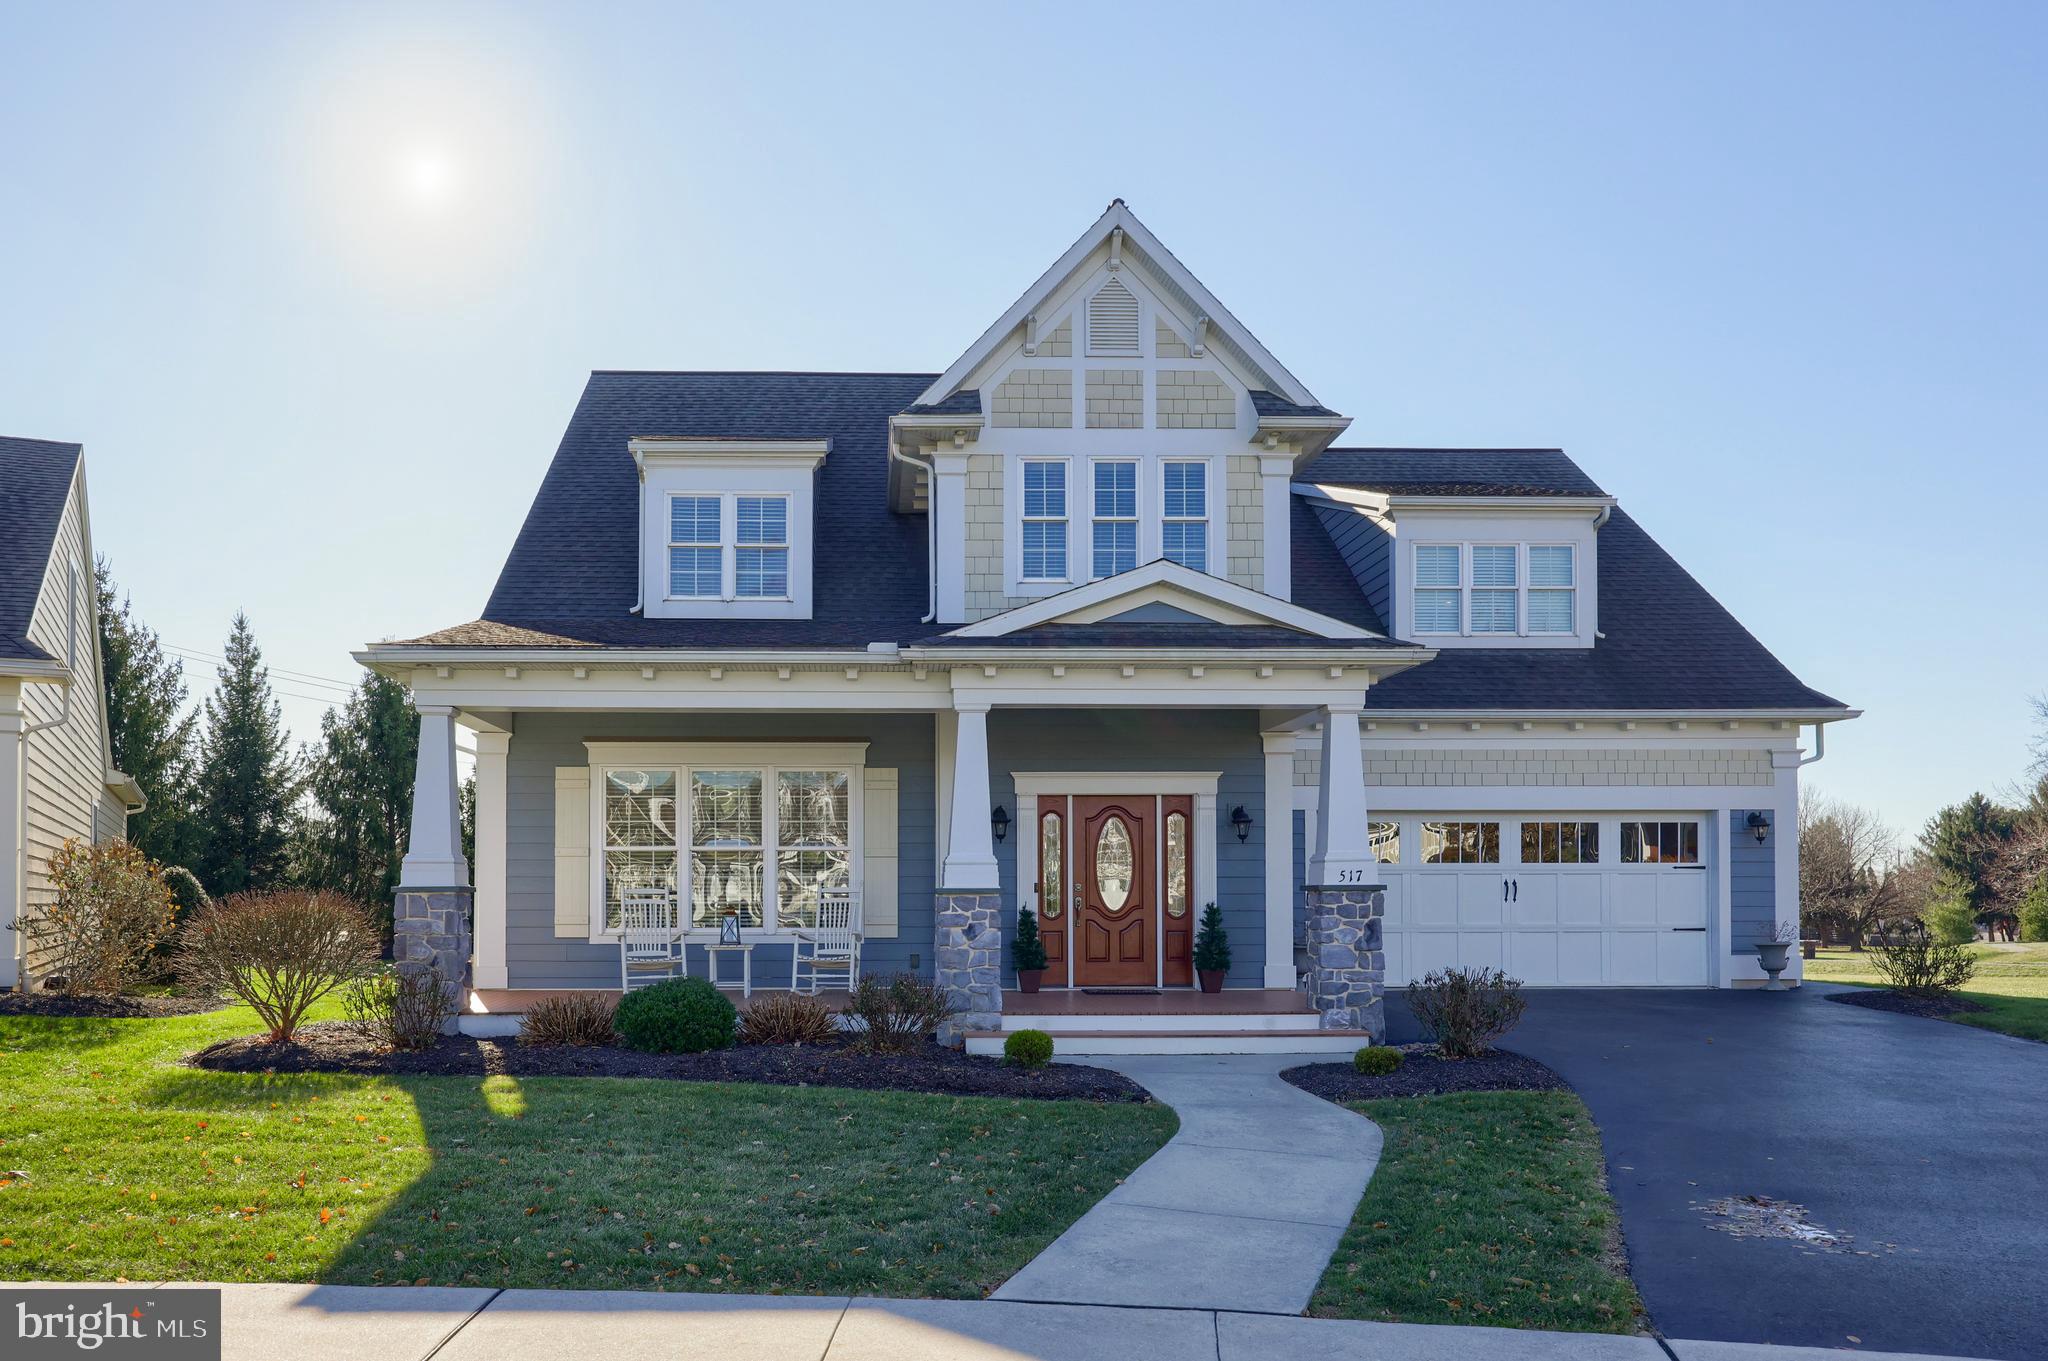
(1212, 950)
(1027, 951)
(1774, 953)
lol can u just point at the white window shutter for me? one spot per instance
(878, 854)
(1113, 320)
(572, 851)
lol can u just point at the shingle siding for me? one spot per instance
(1752, 885)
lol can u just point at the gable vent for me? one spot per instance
(1113, 320)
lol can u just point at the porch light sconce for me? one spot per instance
(1759, 827)
(999, 821)
(1241, 821)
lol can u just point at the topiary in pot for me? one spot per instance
(677, 1016)
(1028, 1049)
(1027, 951)
(1212, 950)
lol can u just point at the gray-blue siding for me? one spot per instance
(1151, 740)
(537, 958)
(1367, 550)
(1752, 883)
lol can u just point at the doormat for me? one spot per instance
(1122, 992)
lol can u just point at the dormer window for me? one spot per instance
(726, 527)
(1510, 590)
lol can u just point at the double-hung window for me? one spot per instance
(1495, 589)
(1184, 514)
(728, 546)
(1044, 538)
(696, 551)
(1116, 517)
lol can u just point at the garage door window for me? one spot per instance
(1560, 843)
(1385, 840)
(1461, 843)
(1660, 843)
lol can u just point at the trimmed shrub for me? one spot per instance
(676, 1016)
(572, 1018)
(787, 1018)
(898, 1013)
(400, 1009)
(1948, 915)
(2033, 912)
(1466, 1010)
(112, 909)
(1028, 1049)
(277, 952)
(1376, 1060)
(1920, 964)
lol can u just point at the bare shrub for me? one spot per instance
(898, 1013)
(112, 909)
(787, 1018)
(400, 1008)
(278, 952)
(1466, 1009)
(573, 1018)
(1923, 964)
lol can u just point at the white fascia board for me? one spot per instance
(42, 673)
(123, 787)
(1309, 435)
(1577, 507)
(1454, 718)
(1378, 660)
(807, 453)
(1118, 215)
(399, 660)
(1160, 572)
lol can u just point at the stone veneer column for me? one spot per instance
(1347, 965)
(429, 930)
(967, 959)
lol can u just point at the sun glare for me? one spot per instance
(426, 177)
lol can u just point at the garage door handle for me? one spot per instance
(1697, 869)
(1503, 890)
(1517, 895)
(1688, 928)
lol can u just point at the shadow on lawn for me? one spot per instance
(41, 1034)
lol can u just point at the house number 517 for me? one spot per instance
(1350, 876)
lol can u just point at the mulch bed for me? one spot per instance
(1884, 999)
(337, 1047)
(1423, 1072)
(119, 1005)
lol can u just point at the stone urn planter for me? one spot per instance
(1774, 956)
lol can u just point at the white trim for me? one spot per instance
(1161, 572)
(1279, 867)
(657, 449)
(492, 840)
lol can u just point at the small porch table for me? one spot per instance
(745, 950)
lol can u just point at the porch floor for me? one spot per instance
(1171, 1002)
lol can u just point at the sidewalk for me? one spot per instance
(405, 1323)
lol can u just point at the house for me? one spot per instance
(1106, 622)
(57, 776)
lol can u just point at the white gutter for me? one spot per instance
(931, 531)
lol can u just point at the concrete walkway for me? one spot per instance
(402, 1323)
(1240, 1211)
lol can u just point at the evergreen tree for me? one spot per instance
(247, 779)
(1027, 950)
(1964, 840)
(360, 777)
(150, 735)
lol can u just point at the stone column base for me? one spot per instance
(1347, 966)
(967, 959)
(430, 930)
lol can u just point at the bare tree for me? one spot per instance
(1852, 878)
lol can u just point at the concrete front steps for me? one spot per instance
(1170, 1021)
(1243, 1040)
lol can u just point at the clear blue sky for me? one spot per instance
(317, 285)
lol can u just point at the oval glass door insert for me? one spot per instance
(1113, 865)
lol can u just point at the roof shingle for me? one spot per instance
(35, 480)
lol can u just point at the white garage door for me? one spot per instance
(1555, 900)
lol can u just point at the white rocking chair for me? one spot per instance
(830, 949)
(651, 947)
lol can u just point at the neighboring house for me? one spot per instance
(57, 776)
(1100, 620)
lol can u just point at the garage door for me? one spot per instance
(1555, 901)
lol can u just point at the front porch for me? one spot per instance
(1084, 1021)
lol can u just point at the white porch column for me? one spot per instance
(433, 852)
(13, 866)
(1343, 853)
(491, 750)
(1279, 858)
(970, 846)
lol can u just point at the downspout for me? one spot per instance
(931, 531)
(1820, 745)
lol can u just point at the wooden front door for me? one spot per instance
(1053, 862)
(1115, 885)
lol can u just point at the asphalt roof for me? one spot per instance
(35, 479)
(1137, 635)
(1452, 472)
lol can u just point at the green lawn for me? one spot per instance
(2012, 980)
(1487, 1208)
(139, 1168)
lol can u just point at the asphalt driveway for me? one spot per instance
(1925, 1141)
